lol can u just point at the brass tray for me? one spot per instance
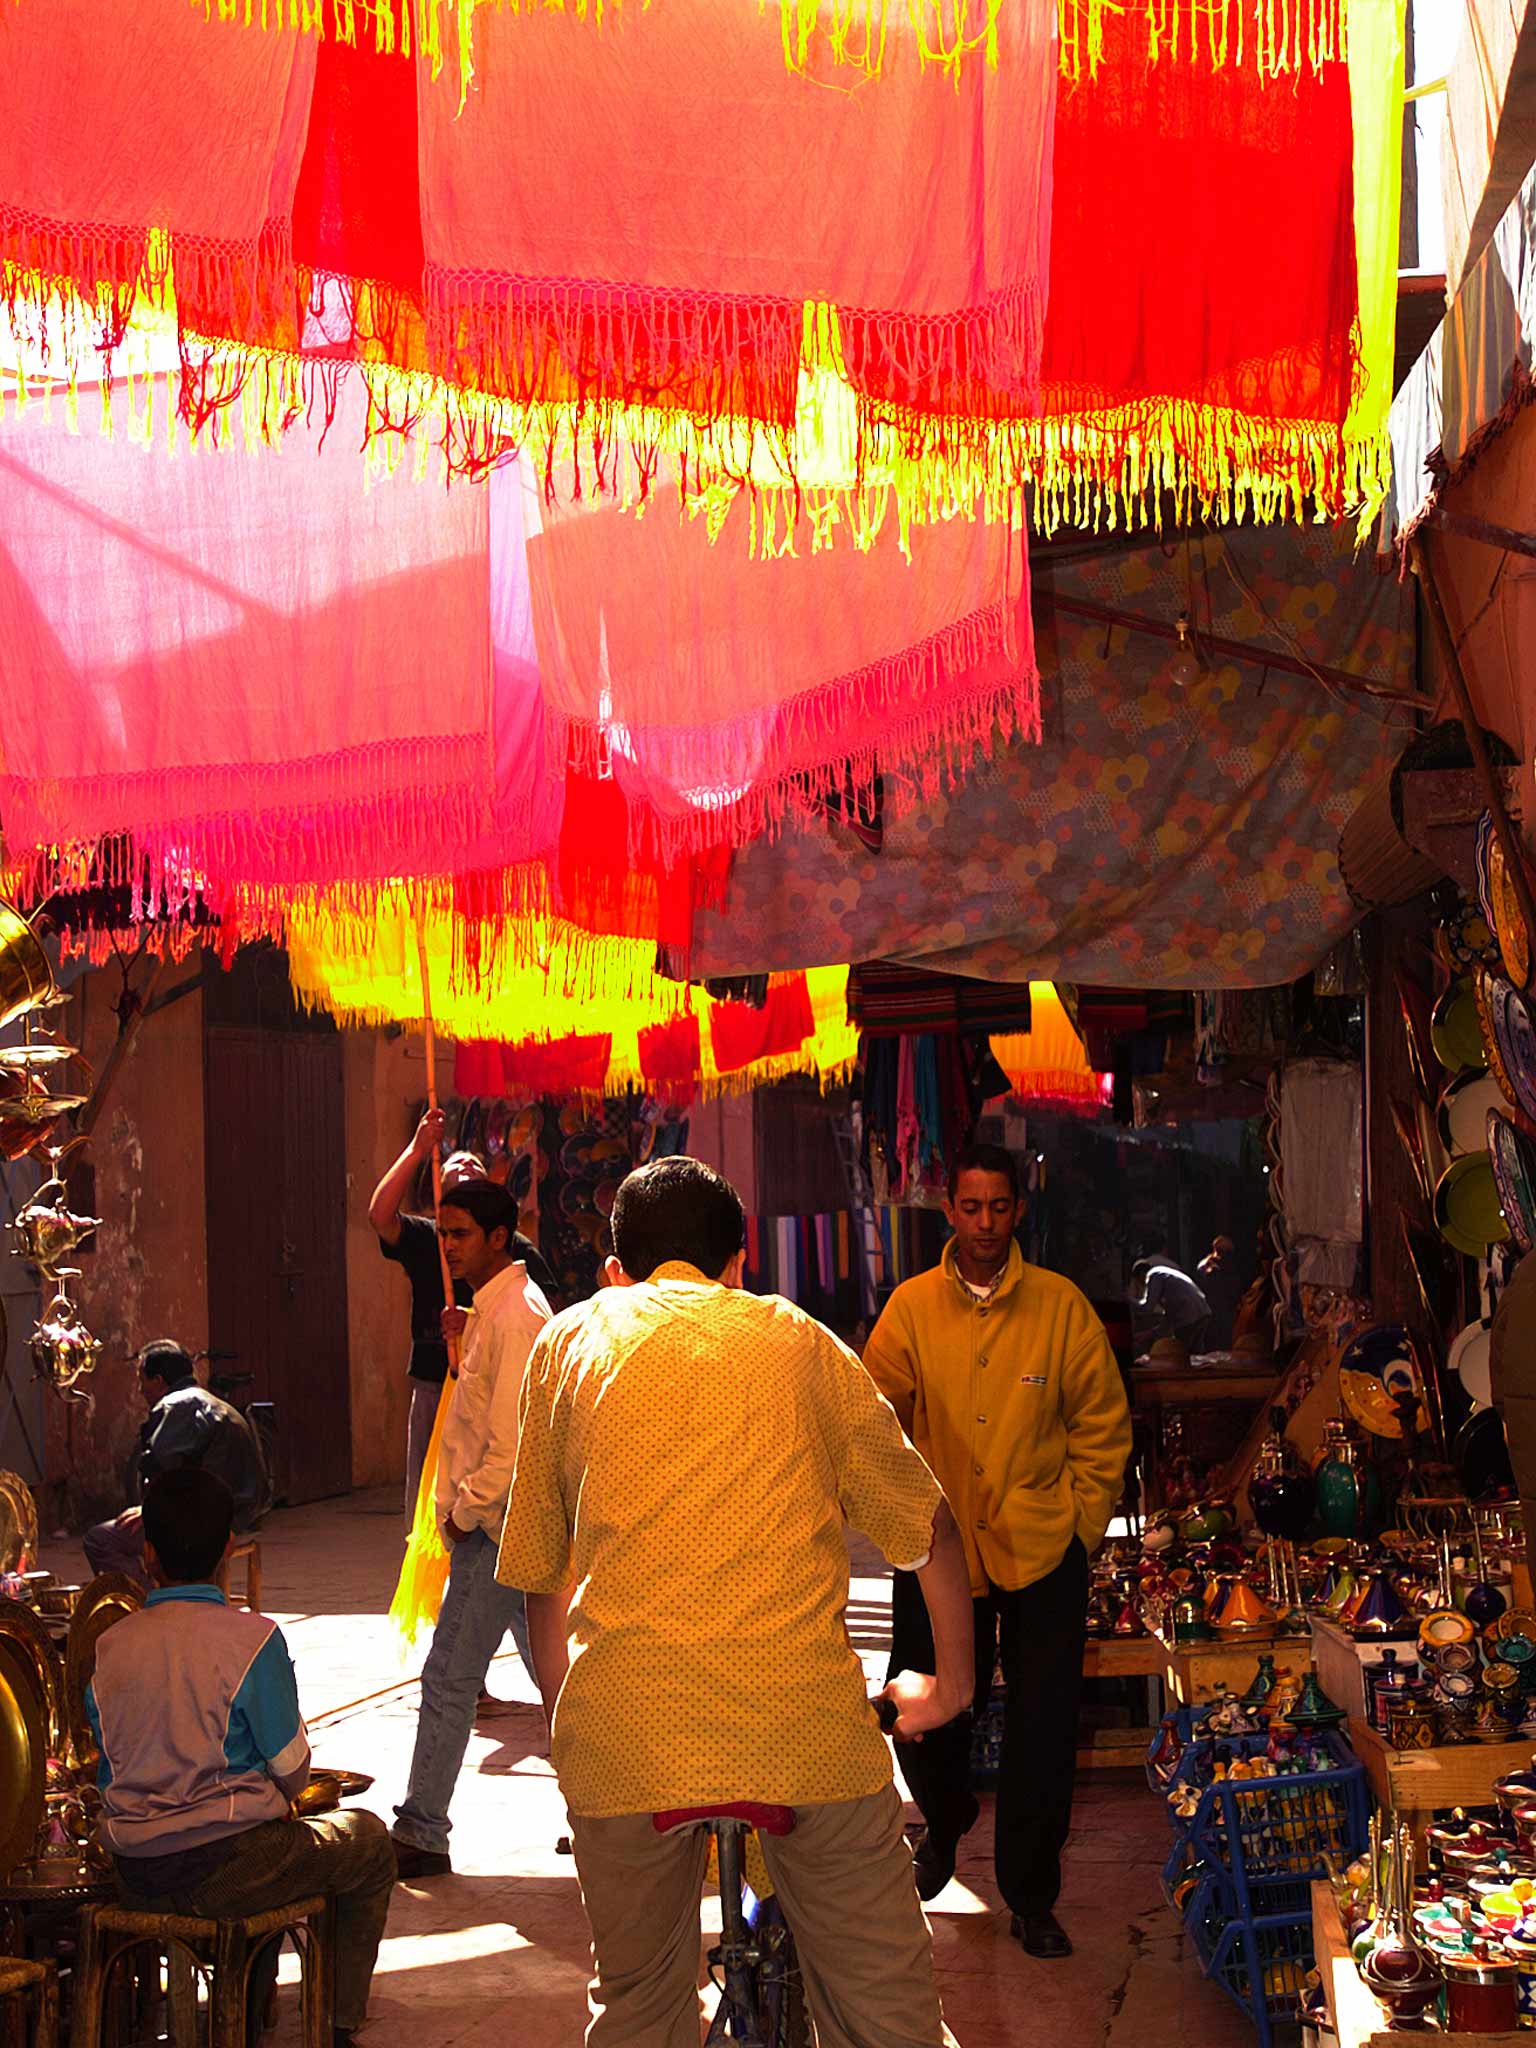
(28, 1635)
(23, 1760)
(105, 1601)
(18, 1521)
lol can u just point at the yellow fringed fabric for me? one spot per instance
(1283, 39)
(532, 982)
(424, 1571)
(843, 35)
(1376, 81)
(1047, 1063)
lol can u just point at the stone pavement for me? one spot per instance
(499, 1949)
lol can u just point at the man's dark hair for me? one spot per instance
(188, 1515)
(676, 1209)
(166, 1360)
(487, 1202)
(984, 1159)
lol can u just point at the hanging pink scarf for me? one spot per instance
(258, 668)
(722, 693)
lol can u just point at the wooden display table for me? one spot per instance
(1422, 1782)
(1197, 1673)
(1358, 2021)
(1124, 1657)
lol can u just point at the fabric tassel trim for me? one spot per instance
(915, 722)
(941, 419)
(843, 35)
(1283, 38)
(409, 802)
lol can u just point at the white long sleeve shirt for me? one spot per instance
(479, 1447)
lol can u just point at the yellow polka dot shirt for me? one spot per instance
(687, 1456)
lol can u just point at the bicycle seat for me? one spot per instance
(768, 1820)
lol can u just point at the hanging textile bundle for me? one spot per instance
(1196, 361)
(495, 280)
(362, 969)
(1047, 1064)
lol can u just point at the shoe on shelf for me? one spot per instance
(1041, 1934)
(412, 1863)
(933, 1860)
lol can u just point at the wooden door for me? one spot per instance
(277, 1282)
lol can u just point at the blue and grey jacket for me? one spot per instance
(196, 1711)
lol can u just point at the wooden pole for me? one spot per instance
(1503, 825)
(437, 1164)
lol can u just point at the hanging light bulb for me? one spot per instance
(1183, 667)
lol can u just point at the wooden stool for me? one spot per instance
(244, 1548)
(222, 1952)
(20, 1982)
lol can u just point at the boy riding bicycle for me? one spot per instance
(688, 1457)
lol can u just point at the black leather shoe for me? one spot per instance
(412, 1863)
(933, 1860)
(1041, 1934)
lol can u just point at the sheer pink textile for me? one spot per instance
(260, 668)
(722, 691)
(639, 216)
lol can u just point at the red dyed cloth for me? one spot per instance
(670, 1053)
(561, 1066)
(1203, 257)
(741, 1035)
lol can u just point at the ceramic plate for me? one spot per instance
(1461, 1116)
(1454, 1031)
(1515, 1043)
(1513, 1159)
(1515, 1621)
(1467, 1206)
(1504, 913)
(1446, 1625)
(1472, 1359)
(1483, 838)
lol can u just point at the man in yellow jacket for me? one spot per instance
(1003, 1378)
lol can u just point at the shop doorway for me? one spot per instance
(277, 1280)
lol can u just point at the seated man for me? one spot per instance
(186, 1425)
(688, 1457)
(196, 1714)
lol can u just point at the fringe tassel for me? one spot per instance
(943, 425)
(852, 35)
(918, 727)
(1173, 460)
(255, 821)
(1284, 39)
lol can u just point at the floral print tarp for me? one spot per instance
(1159, 837)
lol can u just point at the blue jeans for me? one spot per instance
(477, 1612)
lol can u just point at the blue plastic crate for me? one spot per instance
(1261, 1963)
(1280, 1827)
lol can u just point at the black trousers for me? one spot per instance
(1042, 1628)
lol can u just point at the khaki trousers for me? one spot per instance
(347, 1854)
(844, 1880)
